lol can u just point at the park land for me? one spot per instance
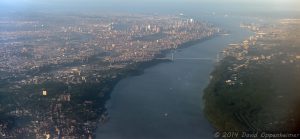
(256, 86)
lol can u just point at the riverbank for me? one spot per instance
(166, 97)
(137, 69)
(250, 92)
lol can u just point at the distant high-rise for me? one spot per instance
(191, 20)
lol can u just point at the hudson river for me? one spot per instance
(165, 102)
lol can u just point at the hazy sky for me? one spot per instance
(148, 1)
(153, 5)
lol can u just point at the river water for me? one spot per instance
(166, 101)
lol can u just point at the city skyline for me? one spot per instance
(155, 69)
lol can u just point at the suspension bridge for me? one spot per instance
(173, 58)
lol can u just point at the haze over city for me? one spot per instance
(149, 69)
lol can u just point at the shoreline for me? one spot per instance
(137, 69)
(210, 100)
(89, 99)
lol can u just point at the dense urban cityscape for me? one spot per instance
(58, 70)
(149, 69)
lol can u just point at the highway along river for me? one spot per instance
(166, 101)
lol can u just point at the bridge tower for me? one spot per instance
(218, 58)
